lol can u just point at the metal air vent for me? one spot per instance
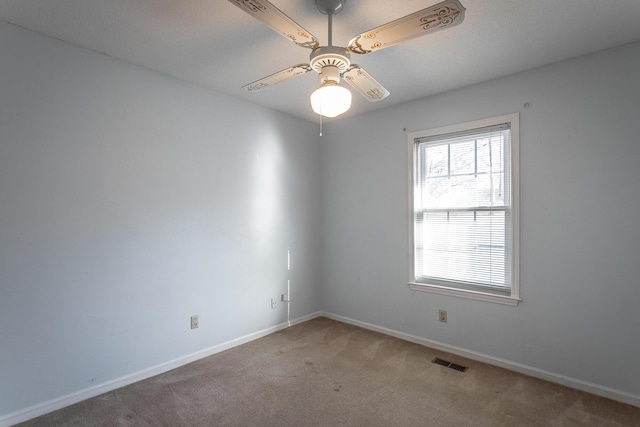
(449, 365)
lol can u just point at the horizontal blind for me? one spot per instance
(462, 213)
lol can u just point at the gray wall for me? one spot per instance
(580, 213)
(129, 201)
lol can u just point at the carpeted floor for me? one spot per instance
(327, 373)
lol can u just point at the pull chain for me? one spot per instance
(320, 124)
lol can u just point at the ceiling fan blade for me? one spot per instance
(270, 15)
(362, 81)
(437, 17)
(278, 77)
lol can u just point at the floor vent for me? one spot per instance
(450, 365)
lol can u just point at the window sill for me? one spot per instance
(480, 296)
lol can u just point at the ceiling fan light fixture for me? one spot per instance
(331, 99)
(334, 62)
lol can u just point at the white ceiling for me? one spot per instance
(216, 45)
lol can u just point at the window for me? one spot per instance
(463, 201)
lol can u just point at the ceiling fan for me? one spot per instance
(334, 62)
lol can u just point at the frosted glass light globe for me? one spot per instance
(330, 100)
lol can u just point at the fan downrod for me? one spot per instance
(330, 7)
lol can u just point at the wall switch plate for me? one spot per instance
(194, 321)
(442, 316)
(274, 303)
(284, 297)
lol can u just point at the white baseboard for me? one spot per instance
(599, 390)
(70, 399)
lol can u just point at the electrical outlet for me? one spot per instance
(274, 303)
(284, 297)
(442, 316)
(194, 321)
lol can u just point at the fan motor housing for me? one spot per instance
(335, 56)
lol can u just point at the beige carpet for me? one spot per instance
(327, 373)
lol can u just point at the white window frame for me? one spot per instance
(413, 137)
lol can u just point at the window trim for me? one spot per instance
(514, 298)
